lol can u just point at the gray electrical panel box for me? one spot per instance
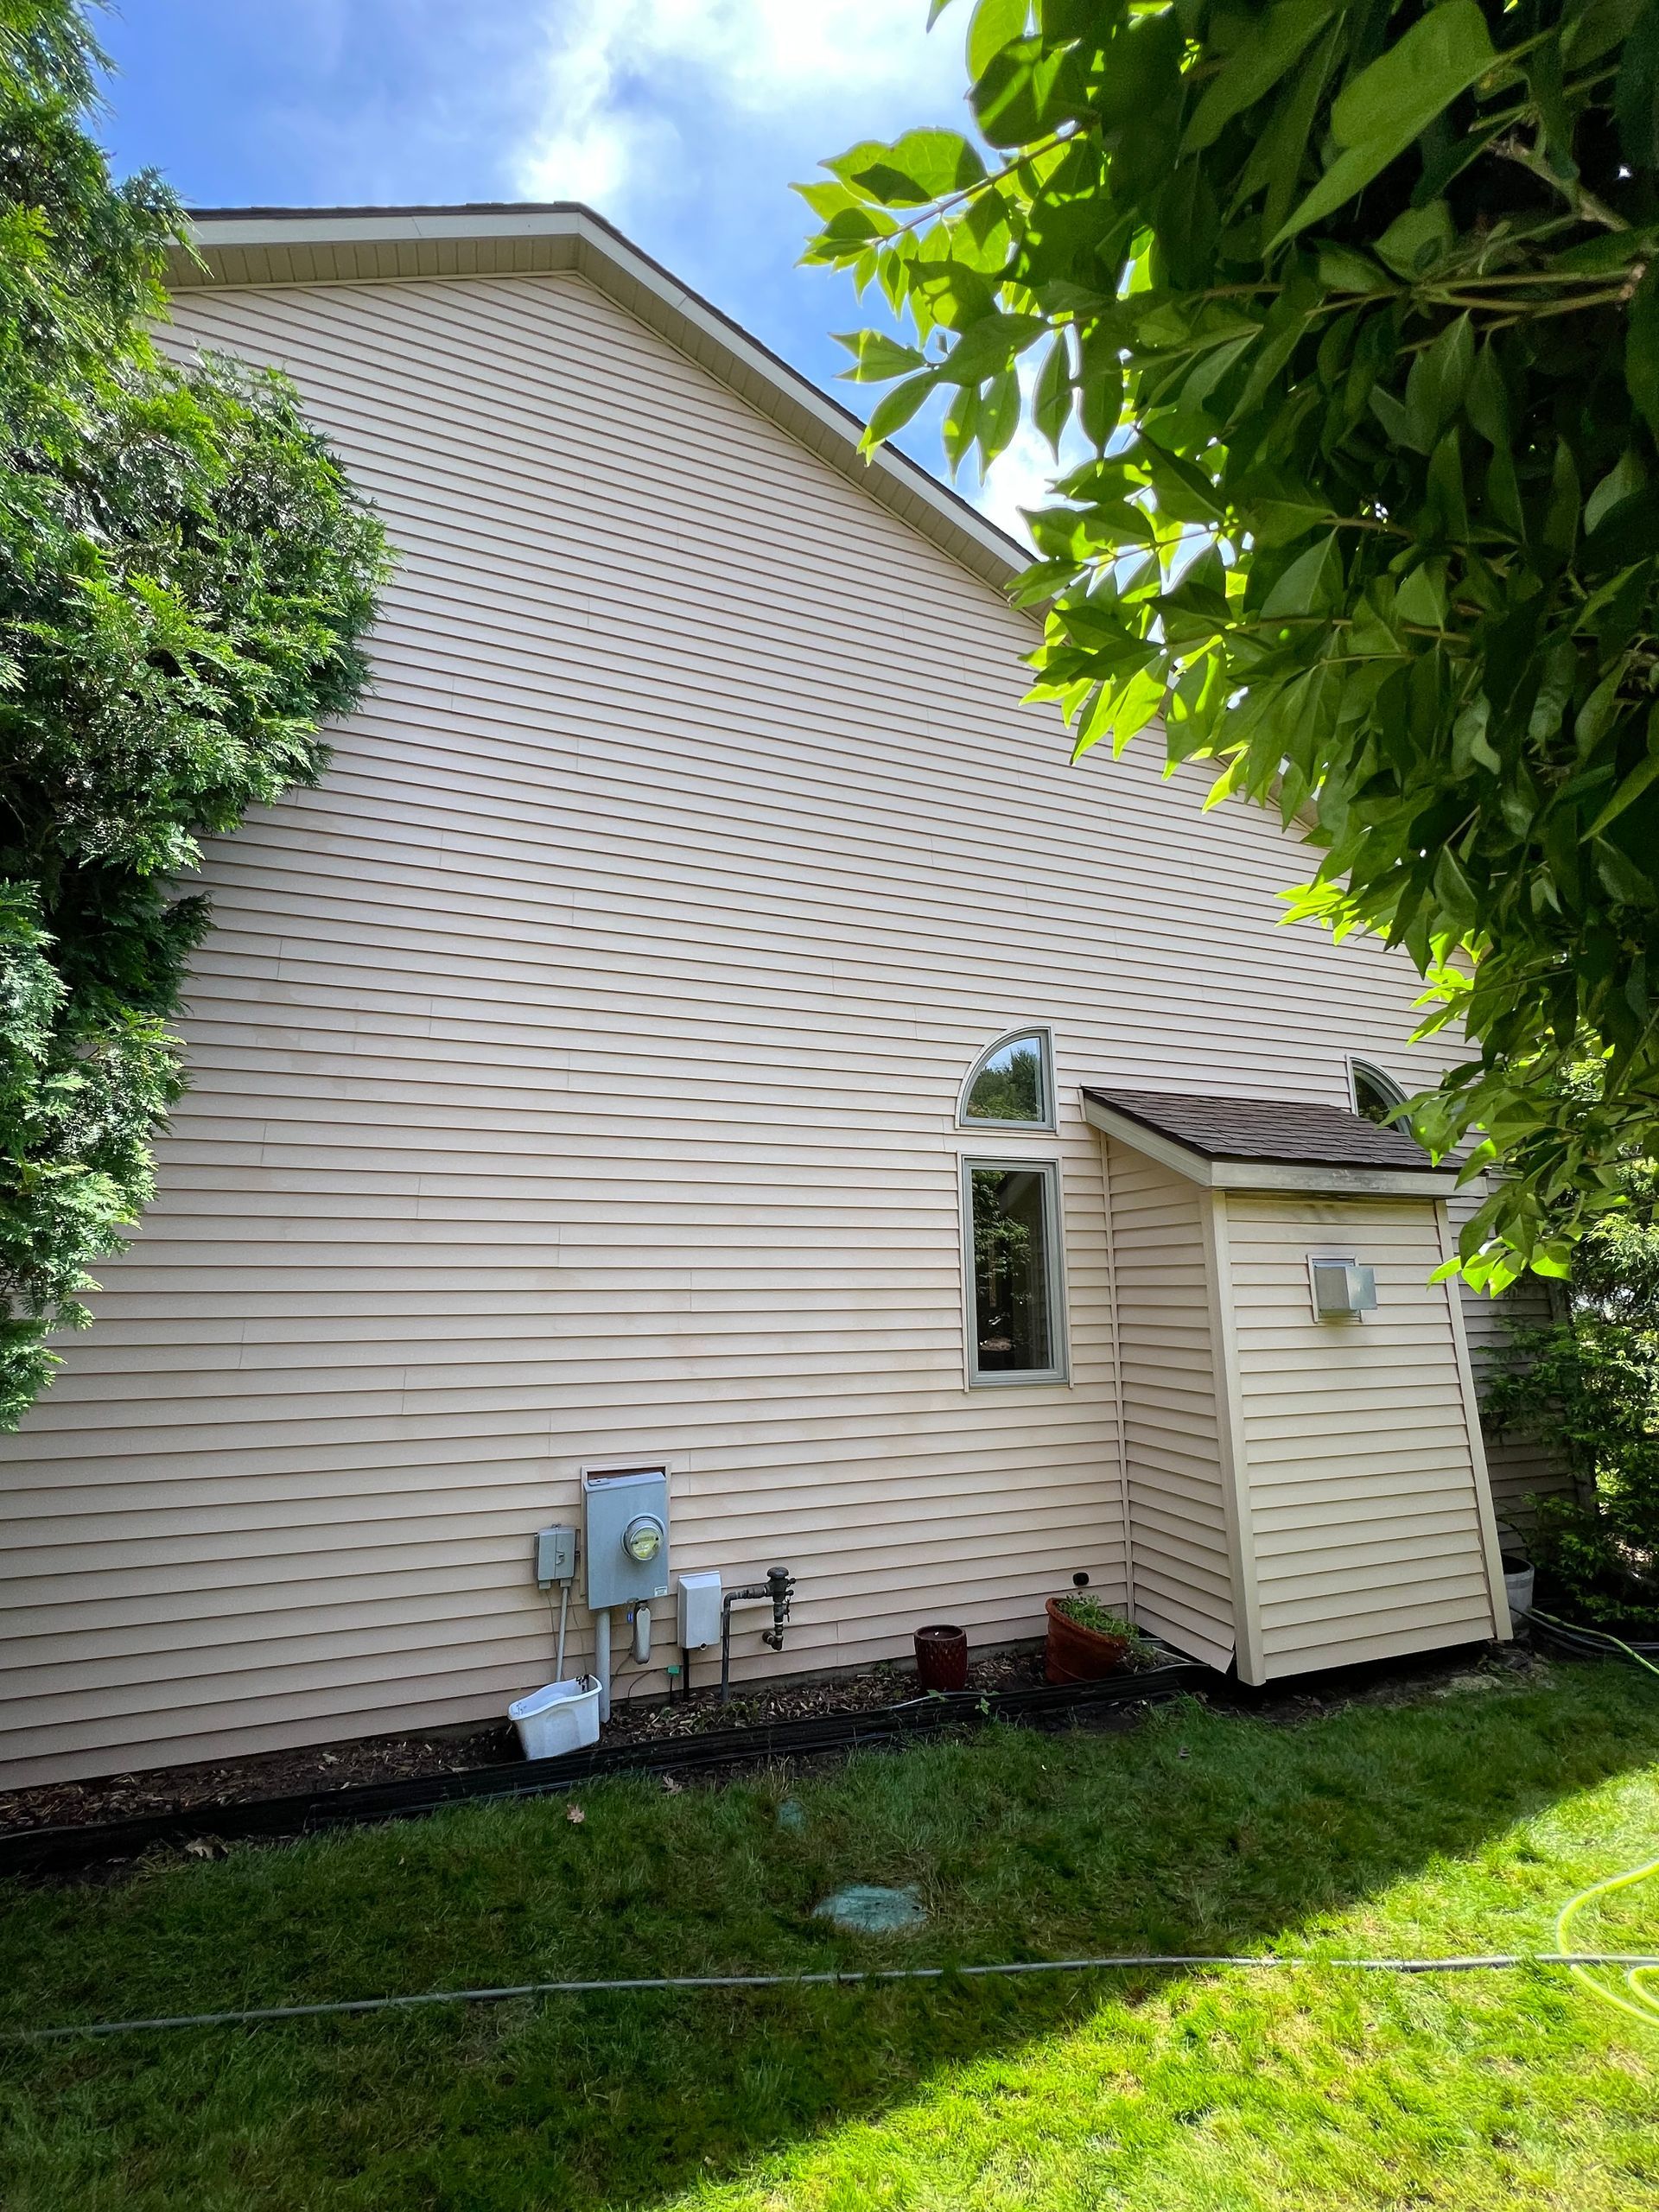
(627, 1535)
(556, 1556)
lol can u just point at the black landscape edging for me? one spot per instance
(60, 1850)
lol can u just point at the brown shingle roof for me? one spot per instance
(1291, 1132)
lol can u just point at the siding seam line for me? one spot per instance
(1230, 1440)
(1497, 1589)
(1118, 1416)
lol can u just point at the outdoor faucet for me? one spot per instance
(778, 1589)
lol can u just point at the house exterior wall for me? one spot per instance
(574, 1075)
(1520, 1469)
(1177, 1481)
(1363, 1475)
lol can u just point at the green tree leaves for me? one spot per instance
(1380, 111)
(1437, 384)
(1642, 347)
(877, 358)
(1361, 315)
(1255, 65)
(921, 167)
(1587, 1388)
(184, 578)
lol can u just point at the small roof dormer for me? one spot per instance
(1268, 1144)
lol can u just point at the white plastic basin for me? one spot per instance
(562, 1717)
(1518, 1577)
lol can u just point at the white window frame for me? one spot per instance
(1045, 1037)
(1380, 1077)
(1054, 1241)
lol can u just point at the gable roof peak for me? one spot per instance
(265, 246)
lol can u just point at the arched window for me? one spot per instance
(1011, 1086)
(1376, 1095)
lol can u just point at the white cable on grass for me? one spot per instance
(834, 1978)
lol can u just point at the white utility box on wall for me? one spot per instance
(699, 1596)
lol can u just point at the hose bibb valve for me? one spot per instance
(778, 1590)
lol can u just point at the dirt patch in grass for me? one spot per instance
(1468, 1672)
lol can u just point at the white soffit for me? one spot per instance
(354, 246)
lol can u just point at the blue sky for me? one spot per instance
(684, 121)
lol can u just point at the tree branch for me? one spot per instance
(1583, 204)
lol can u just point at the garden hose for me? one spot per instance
(1642, 2001)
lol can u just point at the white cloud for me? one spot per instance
(1022, 476)
(684, 120)
(633, 91)
(587, 144)
(1018, 478)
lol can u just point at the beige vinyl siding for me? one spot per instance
(1179, 1509)
(1371, 1530)
(574, 1074)
(1519, 1468)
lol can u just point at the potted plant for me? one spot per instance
(1086, 1641)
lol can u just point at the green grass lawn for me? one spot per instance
(1457, 1822)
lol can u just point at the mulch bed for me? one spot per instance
(869, 1692)
(418, 1757)
(413, 1758)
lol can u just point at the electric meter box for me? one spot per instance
(626, 1544)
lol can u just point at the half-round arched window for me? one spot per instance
(1376, 1095)
(1012, 1085)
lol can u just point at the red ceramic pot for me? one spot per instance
(1076, 1654)
(942, 1658)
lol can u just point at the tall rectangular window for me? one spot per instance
(1011, 1225)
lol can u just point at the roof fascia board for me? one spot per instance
(1331, 1181)
(386, 247)
(1151, 1142)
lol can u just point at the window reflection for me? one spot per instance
(1011, 1084)
(1013, 1215)
(1376, 1095)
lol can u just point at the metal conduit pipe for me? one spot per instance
(602, 1659)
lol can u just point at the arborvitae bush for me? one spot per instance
(185, 577)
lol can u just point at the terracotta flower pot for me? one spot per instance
(1076, 1654)
(941, 1657)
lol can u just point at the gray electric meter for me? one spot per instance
(642, 1538)
(626, 1548)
